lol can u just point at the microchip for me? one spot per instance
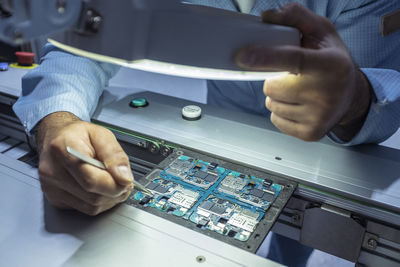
(202, 222)
(212, 166)
(145, 200)
(267, 182)
(233, 182)
(217, 209)
(268, 197)
(220, 201)
(210, 178)
(232, 233)
(201, 174)
(242, 175)
(161, 189)
(222, 220)
(206, 205)
(256, 192)
(165, 182)
(152, 185)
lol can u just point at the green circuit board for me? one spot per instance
(212, 197)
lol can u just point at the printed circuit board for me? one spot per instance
(213, 197)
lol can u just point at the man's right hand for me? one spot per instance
(68, 182)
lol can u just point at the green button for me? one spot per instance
(138, 102)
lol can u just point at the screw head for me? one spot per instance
(296, 217)
(165, 151)
(95, 22)
(153, 148)
(200, 259)
(372, 243)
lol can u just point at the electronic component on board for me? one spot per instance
(212, 165)
(158, 188)
(249, 189)
(210, 196)
(183, 200)
(257, 193)
(145, 200)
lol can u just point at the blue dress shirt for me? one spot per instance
(64, 82)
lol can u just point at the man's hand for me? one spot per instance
(327, 92)
(68, 182)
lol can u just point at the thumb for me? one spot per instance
(300, 17)
(109, 151)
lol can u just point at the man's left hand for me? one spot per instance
(326, 93)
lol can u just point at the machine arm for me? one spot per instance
(23, 20)
(164, 36)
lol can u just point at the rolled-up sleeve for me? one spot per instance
(62, 82)
(378, 56)
(383, 118)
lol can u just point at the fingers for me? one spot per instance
(110, 152)
(70, 183)
(289, 89)
(293, 112)
(283, 58)
(296, 107)
(90, 178)
(292, 89)
(56, 176)
(318, 35)
(63, 199)
(300, 17)
(296, 129)
(95, 180)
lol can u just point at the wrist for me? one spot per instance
(49, 127)
(353, 120)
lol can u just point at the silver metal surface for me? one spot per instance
(366, 173)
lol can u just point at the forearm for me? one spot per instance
(62, 82)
